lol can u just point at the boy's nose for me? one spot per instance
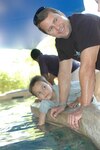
(44, 94)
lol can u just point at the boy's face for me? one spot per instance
(42, 90)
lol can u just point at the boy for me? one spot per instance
(49, 97)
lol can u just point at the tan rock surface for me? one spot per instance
(89, 125)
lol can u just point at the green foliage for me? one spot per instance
(8, 83)
(17, 70)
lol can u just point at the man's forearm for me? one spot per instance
(64, 78)
(87, 81)
(64, 87)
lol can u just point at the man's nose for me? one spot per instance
(56, 27)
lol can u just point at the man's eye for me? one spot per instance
(55, 20)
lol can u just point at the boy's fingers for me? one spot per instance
(54, 112)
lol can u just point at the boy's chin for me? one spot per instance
(37, 100)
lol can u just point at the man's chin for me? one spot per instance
(67, 36)
(64, 36)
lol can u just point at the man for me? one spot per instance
(77, 36)
(49, 65)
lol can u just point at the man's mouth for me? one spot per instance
(61, 29)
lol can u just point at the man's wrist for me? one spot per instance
(83, 104)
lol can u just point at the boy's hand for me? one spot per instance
(56, 110)
(74, 104)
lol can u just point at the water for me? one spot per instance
(18, 131)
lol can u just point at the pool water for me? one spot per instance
(19, 131)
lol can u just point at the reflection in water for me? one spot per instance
(18, 131)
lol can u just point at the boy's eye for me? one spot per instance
(44, 87)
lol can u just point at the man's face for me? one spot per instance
(56, 25)
(42, 90)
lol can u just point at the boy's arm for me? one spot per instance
(44, 107)
(42, 118)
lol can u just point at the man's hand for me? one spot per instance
(56, 110)
(74, 118)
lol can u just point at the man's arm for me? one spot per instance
(87, 81)
(64, 78)
(87, 74)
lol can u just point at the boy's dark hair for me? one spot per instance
(35, 53)
(34, 80)
(42, 13)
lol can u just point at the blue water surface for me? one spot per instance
(19, 131)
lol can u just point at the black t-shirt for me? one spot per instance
(85, 33)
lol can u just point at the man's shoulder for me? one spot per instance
(82, 16)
